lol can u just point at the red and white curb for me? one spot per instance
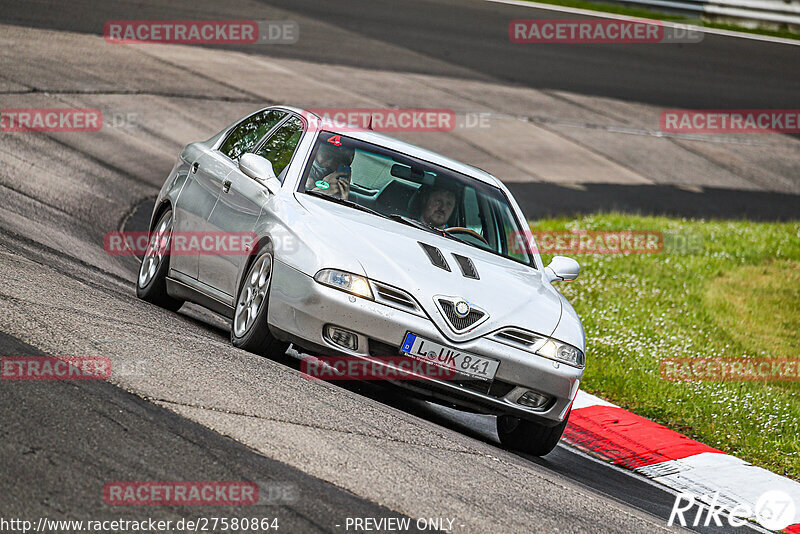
(627, 440)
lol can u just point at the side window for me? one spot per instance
(513, 240)
(280, 147)
(249, 132)
(472, 217)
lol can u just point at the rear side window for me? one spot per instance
(249, 132)
(281, 145)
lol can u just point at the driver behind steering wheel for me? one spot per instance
(437, 203)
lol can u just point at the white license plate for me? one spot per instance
(449, 358)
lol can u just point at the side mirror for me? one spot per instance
(260, 170)
(562, 268)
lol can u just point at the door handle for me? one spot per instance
(226, 186)
(195, 166)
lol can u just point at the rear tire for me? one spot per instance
(151, 283)
(249, 328)
(527, 436)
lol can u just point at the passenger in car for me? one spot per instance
(330, 171)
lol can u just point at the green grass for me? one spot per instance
(758, 305)
(719, 289)
(659, 15)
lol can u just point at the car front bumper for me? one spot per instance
(300, 308)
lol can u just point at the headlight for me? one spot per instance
(349, 282)
(556, 350)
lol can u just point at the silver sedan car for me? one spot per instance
(367, 247)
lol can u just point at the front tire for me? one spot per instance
(250, 330)
(527, 436)
(151, 284)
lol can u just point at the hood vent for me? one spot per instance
(435, 255)
(467, 267)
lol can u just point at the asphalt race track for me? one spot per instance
(184, 404)
(68, 439)
(460, 38)
(592, 95)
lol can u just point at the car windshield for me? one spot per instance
(415, 192)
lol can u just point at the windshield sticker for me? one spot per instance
(322, 184)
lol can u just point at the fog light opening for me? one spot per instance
(342, 337)
(533, 399)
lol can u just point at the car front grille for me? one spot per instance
(396, 298)
(459, 324)
(517, 336)
(384, 350)
(495, 388)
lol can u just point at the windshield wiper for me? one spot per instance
(394, 216)
(415, 223)
(427, 227)
(344, 202)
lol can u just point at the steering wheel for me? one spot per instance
(461, 230)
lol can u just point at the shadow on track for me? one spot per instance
(539, 200)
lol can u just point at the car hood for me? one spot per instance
(513, 294)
